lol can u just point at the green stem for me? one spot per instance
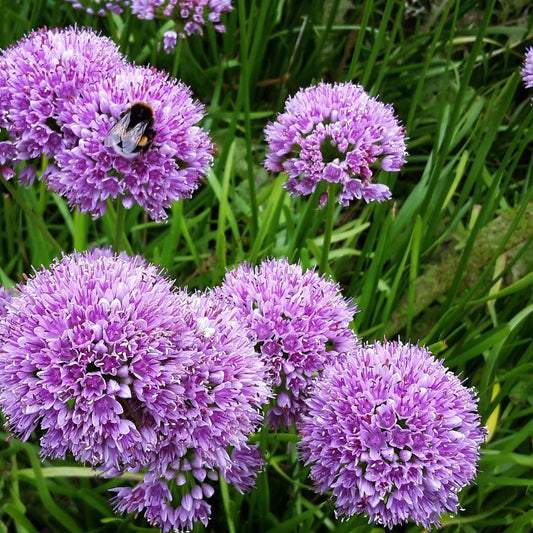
(307, 222)
(177, 57)
(328, 231)
(119, 227)
(81, 225)
(32, 216)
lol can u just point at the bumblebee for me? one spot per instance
(133, 132)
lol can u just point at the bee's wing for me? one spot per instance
(130, 140)
(117, 132)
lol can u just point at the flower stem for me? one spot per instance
(121, 243)
(328, 231)
(177, 57)
(307, 223)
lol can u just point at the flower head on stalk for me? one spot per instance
(298, 321)
(337, 134)
(38, 77)
(115, 367)
(168, 167)
(392, 433)
(527, 69)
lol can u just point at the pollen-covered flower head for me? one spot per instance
(392, 433)
(337, 134)
(38, 77)
(527, 69)
(299, 322)
(166, 165)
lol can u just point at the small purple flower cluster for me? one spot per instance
(100, 8)
(189, 16)
(392, 433)
(125, 373)
(61, 92)
(527, 70)
(337, 134)
(298, 321)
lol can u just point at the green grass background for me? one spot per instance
(448, 261)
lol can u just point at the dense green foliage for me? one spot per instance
(448, 260)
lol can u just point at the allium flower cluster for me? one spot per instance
(88, 173)
(527, 70)
(114, 366)
(299, 322)
(62, 91)
(392, 433)
(336, 134)
(38, 76)
(189, 15)
(100, 7)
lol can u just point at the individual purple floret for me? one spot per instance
(5, 297)
(299, 322)
(170, 38)
(38, 77)
(111, 364)
(527, 70)
(392, 433)
(154, 171)
(337, 134)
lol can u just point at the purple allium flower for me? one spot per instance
(299, 322)
(392, 433)
(527, 70)
(221, 397)
(191, 15)
(113, 365)
(38, 77)
(88, 173)
(338, 134)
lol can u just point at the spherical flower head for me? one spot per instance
(527, 70)
(88, 349)
(336, 134)
(299, 322)
(38, 76)
(392, 433)
(189, 15)
(220, 405)
(167, 167)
